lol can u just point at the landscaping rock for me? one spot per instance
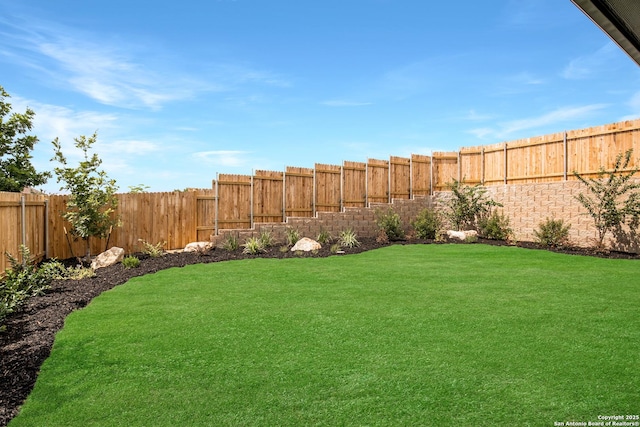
(198, 246)
(462, 235)
(306, 245)
(107, 258)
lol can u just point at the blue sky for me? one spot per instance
(180, 91)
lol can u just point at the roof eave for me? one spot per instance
(612, 25)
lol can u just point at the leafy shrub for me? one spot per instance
(614, 200)
(389, 222)
(266, 240)
(324, 237)
(153, 251)
(253, 246)
(552, 232)
(25, 279)
(348, 239)
(335, 248)
(495, 226)
(231, 243)
(467, 205)
(292, 236)
(130, 261)
(427, 224)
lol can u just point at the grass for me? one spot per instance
(404, 335)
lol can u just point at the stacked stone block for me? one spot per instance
(526, 205)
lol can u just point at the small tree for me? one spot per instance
(614, 199)
(92, 200)
(16, 170)
(467, 205)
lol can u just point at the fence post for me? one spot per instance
(217, 208)
(46, 229)
(342, 187)
(251, 201)
(284, 195)
(411, 177)
(431, 174)
(482, 166)
(566, 152)
(315, 194)
(389, 181)
(366, 184)
(505, 163)
(23, 218)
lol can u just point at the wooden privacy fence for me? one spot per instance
(23, 221)
(548, 158)
(176, 218)
(240, 201)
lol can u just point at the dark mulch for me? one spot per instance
(30, 333)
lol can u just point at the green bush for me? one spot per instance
(614, 199)
(130, 261)
(389, 223)
(348, 239)
(467, 205)
(552, 232)
(25, 279)
(427, 224)
(495, 226)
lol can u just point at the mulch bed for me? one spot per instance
(30, 333)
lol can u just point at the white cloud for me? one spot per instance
(481, 133)
(54, 121)
(118, 73)
(557, 117)
(226, 158)
(634, 106)
(590, 65)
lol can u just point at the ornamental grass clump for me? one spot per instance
(349, 239)
(266, 239)
(152, 250)
(231, 243)
(324, 237)
(253, 246)
(293, 236)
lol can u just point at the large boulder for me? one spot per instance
(107, 258)
(306, 245)
(198, 246)
(462, 235)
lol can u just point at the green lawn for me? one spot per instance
(466, 335)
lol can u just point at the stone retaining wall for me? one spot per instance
(526, 205)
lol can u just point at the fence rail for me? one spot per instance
(240, 201)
